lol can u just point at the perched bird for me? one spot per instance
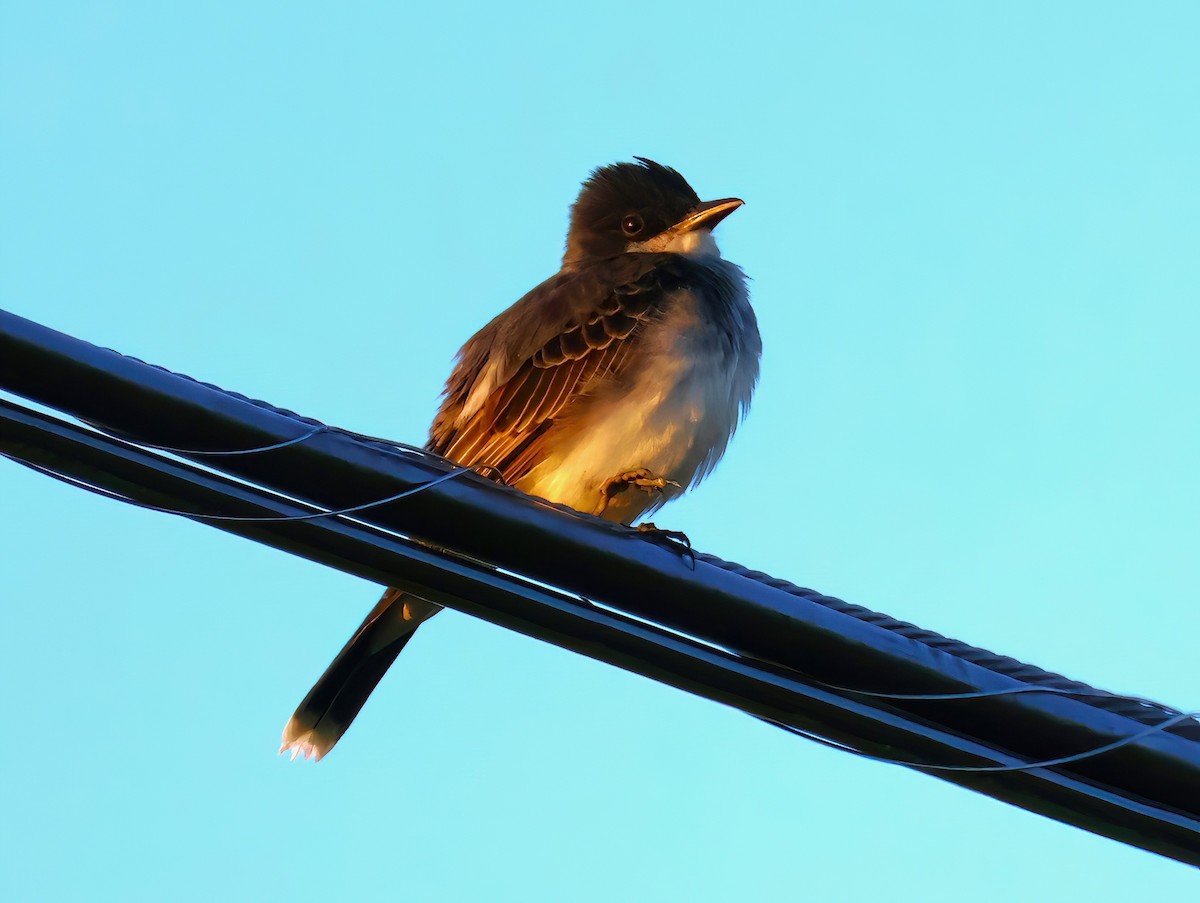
(611, 387)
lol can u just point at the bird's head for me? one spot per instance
(641, 207)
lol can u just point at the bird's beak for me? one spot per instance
(679, 237)
(706, 215)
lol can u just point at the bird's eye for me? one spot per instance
(632, 225)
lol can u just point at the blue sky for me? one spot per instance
(972, 231)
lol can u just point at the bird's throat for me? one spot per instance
(694, 243)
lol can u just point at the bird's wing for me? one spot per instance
(522, 370)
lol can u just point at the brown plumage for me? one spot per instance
(642, 352)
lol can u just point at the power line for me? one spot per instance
(837, 672)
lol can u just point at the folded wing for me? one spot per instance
(568, 335)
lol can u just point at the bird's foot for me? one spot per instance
(639, 478)
(672, 539)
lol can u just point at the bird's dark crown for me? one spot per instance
(626, 202)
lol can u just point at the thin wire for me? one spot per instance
(201, 452)
(111, 494)
(1069, 692)
(1005, 691)
(988, 769)
(312, 431)
(1171, 715)
(393, 443)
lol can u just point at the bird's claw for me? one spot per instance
(639, 477)
(676, 540)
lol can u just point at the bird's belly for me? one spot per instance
(674, 421)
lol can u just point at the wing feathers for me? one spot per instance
(592, 344)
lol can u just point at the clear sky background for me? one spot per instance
(973, 234)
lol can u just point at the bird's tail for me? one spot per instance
(330, 706)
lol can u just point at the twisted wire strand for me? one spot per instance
(198, 515)
(988, 769)
(201, 452)
(1142, 710)
(1082, 692)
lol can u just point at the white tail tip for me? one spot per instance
(302, 743)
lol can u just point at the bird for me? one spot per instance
(611, 387)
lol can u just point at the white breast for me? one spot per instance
(692, 384)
